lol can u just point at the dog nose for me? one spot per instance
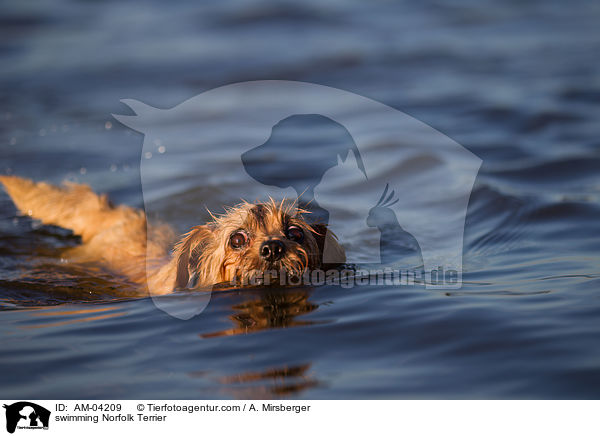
(272, 250)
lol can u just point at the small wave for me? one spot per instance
(494, 221)
(562, 170)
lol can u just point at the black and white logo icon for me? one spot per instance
(26, 415)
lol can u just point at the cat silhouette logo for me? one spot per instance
(26, 415)
(394, 190)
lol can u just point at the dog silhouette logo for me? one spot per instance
(308, 143)
(26, 415)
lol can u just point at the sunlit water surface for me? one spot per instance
(517, 87)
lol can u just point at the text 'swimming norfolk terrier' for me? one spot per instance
(233, 247)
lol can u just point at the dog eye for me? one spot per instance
(295, 234)
(238, 239)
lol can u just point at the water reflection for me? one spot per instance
(270, 309)
(57, 318)
(272, 383)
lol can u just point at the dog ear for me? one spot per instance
(327, 241)
(319, 231)
(187, 252)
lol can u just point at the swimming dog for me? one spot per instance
(246, 244)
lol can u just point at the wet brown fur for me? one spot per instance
(119, 237)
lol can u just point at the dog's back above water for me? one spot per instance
(246, 241)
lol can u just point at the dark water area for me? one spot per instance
(517, 84)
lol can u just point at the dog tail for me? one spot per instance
(72, 206)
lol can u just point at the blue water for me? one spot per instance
(516, 84)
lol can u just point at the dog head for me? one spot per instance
(249, 242)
